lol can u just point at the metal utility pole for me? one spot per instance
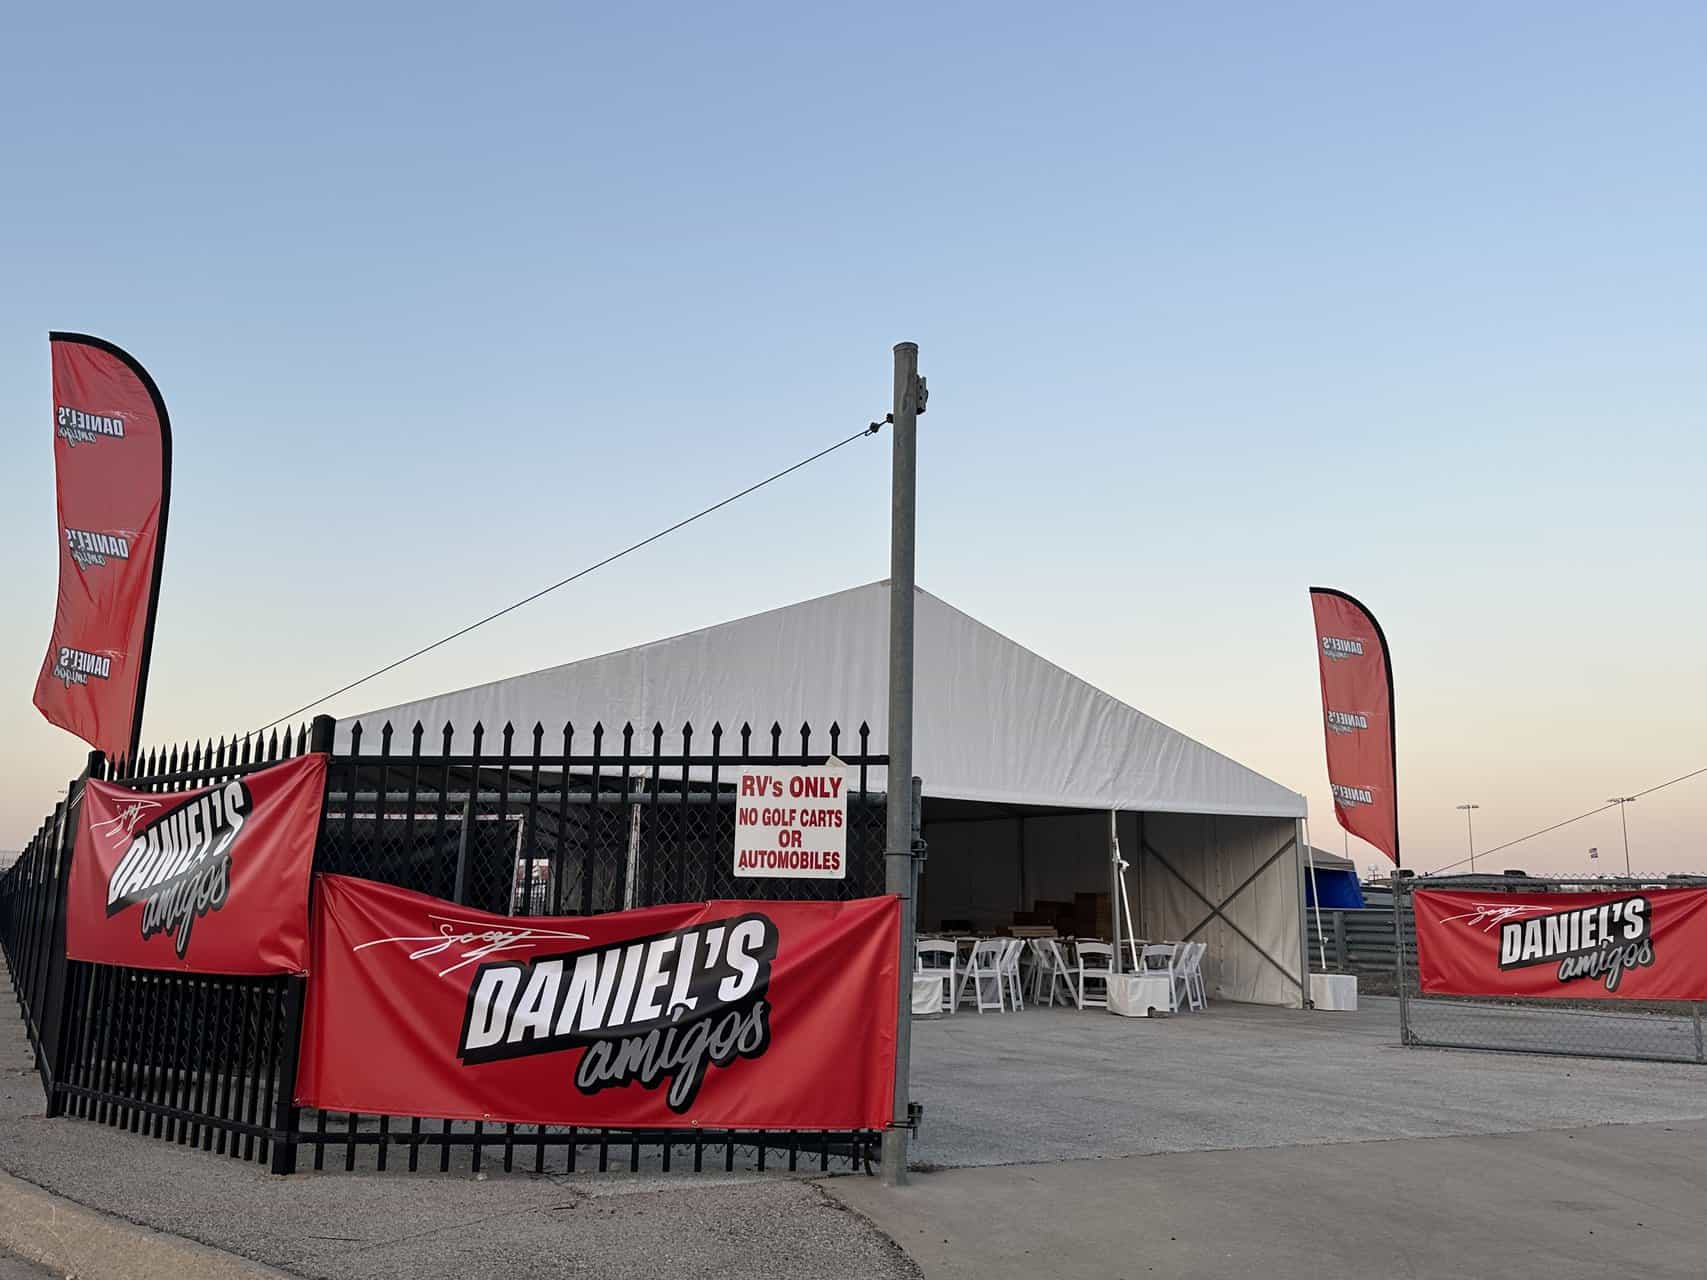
(1470, 828)
(1621, 801)
(899, 869)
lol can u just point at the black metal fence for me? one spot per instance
(576, 824)
(1359, 941)
(1652, 1030)
(32, 927)
(582, 825)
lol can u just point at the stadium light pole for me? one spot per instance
(1621, 801)
(1471, 831)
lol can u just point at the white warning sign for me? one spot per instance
(791, 822)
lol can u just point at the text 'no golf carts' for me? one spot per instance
(792, 822)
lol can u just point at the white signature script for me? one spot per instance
(475, 940)
(1491, 915)
(123, 824)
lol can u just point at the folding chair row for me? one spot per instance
(992, 980)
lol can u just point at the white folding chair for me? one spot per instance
(984, 970)
(1012, 983)
(935, 958)
(1096, 964)
(1191, 974)
(1049, 972)
(1158, 960)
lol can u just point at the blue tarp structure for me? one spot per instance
(1335, 882)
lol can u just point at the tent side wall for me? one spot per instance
(1260, 960)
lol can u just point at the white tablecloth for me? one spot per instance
(1334, 991)
(927, 995)
(1132, 995)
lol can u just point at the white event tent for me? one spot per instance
(1021, 763)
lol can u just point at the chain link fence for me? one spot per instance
(1644, 1030)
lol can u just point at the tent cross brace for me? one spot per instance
(1220, 911)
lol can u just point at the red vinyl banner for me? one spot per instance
(1357, 718)
(772, 1015)
(208, 881)
(112, 452)
(1639, 944)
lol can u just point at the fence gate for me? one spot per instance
(1640, 1030)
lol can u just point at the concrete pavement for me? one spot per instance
(1239, 1141)
(1610, 1200)
(45, 1234)
(158, 1196)
(12, 1267)
(1057, 1084)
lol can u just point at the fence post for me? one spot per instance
(287, 1116)
(54, 1025)
(1695, 1017)
(459, 894)
(1399, 957)
(1342, 958)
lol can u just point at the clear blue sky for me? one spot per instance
(1215, 302)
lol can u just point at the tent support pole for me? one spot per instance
(1299, 849)
(1316, 897)
(1115, 897)
(899, 846)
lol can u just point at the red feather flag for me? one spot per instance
(112, 452)
(1357, 718)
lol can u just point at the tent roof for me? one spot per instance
(992, 720)
(1326, 861)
